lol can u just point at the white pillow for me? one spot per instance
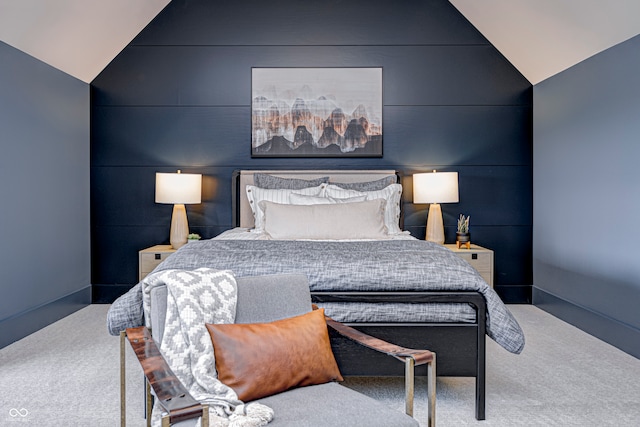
(391, 194)
(301, 199)
(340, 221)
(257, 194)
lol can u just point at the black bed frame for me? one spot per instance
(460, 347)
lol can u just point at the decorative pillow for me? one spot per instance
(275, 182)
(301, 199)
(257, 194)
(341, 221)
(378, 184)
(391, 194)
(261, 359)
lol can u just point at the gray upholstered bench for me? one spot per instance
(268, 298)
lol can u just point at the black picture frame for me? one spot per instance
(316, 112)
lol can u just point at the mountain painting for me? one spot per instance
(316, 112)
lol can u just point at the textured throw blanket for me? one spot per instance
(194, 298)
(384, 266)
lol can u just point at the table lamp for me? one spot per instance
(435, 188)
(178, 189)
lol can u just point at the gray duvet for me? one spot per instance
(388, 265)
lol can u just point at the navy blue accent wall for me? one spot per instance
(44, 191)
(179, 97)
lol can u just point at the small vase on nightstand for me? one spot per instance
(463, 239)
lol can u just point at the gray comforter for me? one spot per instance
(390, 265)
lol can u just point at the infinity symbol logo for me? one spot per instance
(18, 412)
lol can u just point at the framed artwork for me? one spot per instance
(316, 112)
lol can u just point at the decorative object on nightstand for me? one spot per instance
(178, 189)
(480, 258)
(193, 237)
(435, 188)
(463, 237)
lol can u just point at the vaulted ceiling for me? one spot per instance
(79, 37)
(544, 37)
(539, 37)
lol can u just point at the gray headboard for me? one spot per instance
(241, 211)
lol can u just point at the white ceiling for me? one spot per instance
(539, 37)
(544, 37)
(79, 37)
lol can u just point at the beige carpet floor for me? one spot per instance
(67, 375)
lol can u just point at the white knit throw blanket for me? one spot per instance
(196, 297)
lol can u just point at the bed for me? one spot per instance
(367, 272)
(421, 313)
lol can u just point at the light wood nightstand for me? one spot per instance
(149, 258)
(480, 258)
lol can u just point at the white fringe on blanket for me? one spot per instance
(196, 297)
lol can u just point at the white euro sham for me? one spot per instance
(256, 194)
(391, 194)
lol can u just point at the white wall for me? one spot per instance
(587, 195)
(44, 194)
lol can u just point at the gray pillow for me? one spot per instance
(367, 186)
(275, 182)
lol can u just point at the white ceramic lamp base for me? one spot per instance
(179, 227)
(435, 226)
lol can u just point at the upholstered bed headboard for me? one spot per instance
(241, 211)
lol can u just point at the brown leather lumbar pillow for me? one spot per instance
(261, 359)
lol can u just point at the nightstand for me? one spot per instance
(149, 258)
(480, 258)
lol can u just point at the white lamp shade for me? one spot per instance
(178, 188)
(435, 187)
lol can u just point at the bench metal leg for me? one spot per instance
(166, 419)
(409, 388)
(123, 391)
(431, 392)
(409, 384)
